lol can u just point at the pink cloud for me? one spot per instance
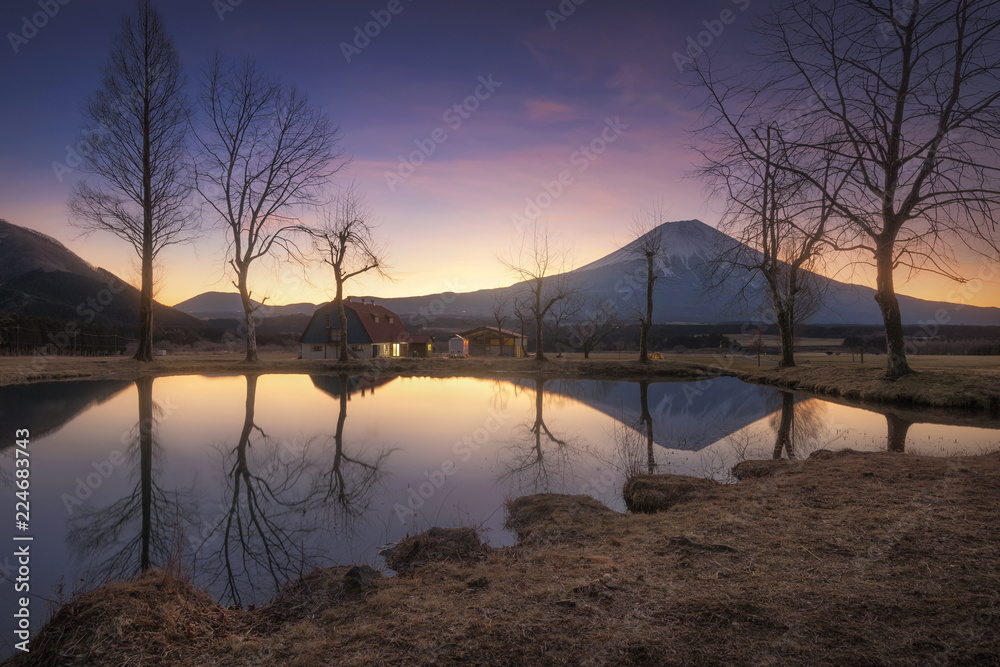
(547, 111)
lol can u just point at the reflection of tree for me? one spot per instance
(783, 441)
(898, 428)
(350, 480)
(538, 462)
(646, 419)
(264, 525)
(136, 532)
(796, 424)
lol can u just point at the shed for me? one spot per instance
(458, 347)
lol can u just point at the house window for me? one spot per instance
(327, 320)
(317, 348)
(390, 319)
(376, 318)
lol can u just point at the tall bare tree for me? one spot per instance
(648, 247)
(348, 242)
(542, 270)
(903, 99)
(781, 222)
(265, 152)
(139, 121)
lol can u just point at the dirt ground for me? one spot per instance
(842, 559)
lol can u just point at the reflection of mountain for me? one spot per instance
(333, 384)
(46, 406)
(685, 415)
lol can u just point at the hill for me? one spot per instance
(229, 305)
(41, 278)
(682, 295)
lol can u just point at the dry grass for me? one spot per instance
(856, 559)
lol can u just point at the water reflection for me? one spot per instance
(250, 480)
(798, 425)
(48, 406)
(535, 459)
(351, 479)
(898, 428)
(140, 530)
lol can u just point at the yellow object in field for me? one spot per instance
(655, 355)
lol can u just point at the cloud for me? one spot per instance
(547, 111)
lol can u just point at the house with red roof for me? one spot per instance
(372, 331)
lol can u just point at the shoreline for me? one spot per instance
(843, 558)
(932, 391)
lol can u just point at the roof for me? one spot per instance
(506, 332)
(414, 339)
(379, 323)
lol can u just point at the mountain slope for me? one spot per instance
(40, 277)
(682, 296)
(229, 305)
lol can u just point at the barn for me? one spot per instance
(484, 341)
(372, 331)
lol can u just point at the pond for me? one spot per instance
(245, 482)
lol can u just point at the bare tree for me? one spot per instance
(264, 153)
(647, 247)
(601, 318)
(903, 100)
(348, 242)
(563, 312)
(501, 313)
(781, 222)
(541, 270)
(138, 123)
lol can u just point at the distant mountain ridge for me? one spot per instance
(229, 305)
(681, 297)
(40, 277)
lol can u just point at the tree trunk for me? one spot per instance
(248, 312)
(144, 386)
(786, 332)
(539, 322)
(898, 428)
(145, 350)
(885, 296)
(646, 324)
(342, 317)
(647, 419)
(783, 439)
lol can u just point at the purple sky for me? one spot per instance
(607, 68)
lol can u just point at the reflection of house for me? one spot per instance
(372, 331)
(334, 386)
(490, 340)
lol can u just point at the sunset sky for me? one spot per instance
(549, 81)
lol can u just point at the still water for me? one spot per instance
(247, 481)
